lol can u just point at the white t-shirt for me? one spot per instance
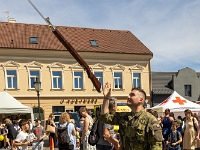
(21, 138)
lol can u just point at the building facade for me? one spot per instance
(28, 51)
(186, 82)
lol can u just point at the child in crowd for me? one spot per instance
(6, 140)
(21, 140)
(77, 138)
(174, 139)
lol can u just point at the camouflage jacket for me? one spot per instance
(138, 131)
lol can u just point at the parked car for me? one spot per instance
(76, 117)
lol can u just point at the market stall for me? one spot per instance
(11, 107)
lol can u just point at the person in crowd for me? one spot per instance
(21, 140)
(16, 126)
(174, 139)
(30, 126)
(106, 131)
(64, 120)
(190, 135)
(40, 134)
(166, 121)
(139, 130)
(172, 115)
(77, 138)
(5, 133)
(86, 129)
(81, 129)
(12, 133)
(195, 115)
(167, 124)
(179, 125)
(52, 136)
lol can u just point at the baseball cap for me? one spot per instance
(36, 119)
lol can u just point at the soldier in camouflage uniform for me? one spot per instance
(139, 130)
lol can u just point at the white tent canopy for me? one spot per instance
(9, 105)
(176, 103)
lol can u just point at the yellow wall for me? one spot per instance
(126, 63)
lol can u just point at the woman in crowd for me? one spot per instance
(166, 125)
(86, 129)
(52, 136)
(12, 133)
(190, 135)
(64, 121)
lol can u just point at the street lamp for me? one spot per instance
(37, 85)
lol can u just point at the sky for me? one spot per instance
(169, 28)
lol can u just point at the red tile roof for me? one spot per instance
(110, 41)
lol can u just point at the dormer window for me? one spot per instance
(94, 43)
(33, 40)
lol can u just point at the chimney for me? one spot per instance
(11, 20)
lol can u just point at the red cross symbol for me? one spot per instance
(179, 100)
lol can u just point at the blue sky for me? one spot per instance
(169, 28)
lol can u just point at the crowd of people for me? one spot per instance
(181, 132)
(139, 129)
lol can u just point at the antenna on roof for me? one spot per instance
(8, 16)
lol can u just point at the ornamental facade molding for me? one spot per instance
(136, 67)
(98, 66)
(118, 67)
(10, 62)
(33, 64)
(76, 66)
(56, 64)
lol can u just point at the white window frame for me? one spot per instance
(137, 69)
(99, 78)
(57, 66)
(99, 68)
(118, 68)
(78, 77)
(30, 76)
(11, 65)
(12, 78)
(136, 78)
(57, 78)
(117, 78)
(77, 68)
(34, 66)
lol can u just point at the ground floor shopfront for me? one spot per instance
(57, 105)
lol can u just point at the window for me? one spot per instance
(32, 76)
(58, 109)
(188, 90)
(117, 80)
(99, 76)
(78, 80)
(33, 40)
(136, 80)
(93, 43)
(11, 79)
(57, 79)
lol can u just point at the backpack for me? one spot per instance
(63, 136)
(94, 135)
